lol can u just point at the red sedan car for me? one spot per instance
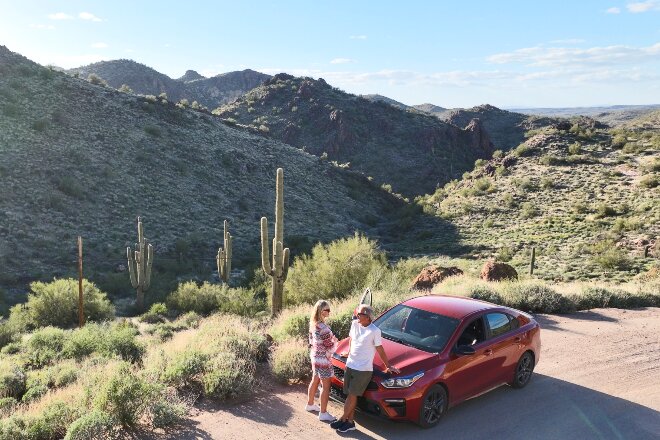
(448, 349)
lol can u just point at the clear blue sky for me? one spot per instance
(525, 53)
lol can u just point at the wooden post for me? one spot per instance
(531, 263)
(81, 312)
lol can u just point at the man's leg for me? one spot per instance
(349, 407)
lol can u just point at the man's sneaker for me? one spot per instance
(347, 426)
(337, 423)
(313, 407)
(327, 417)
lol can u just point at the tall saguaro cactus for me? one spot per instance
(224, 256)
(279, 268)
(140, 261)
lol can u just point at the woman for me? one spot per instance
(323, 344)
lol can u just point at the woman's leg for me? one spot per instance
(325, 394)
(311, 389)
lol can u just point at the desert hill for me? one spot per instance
(615, 115)
(587, 197)
(408, 150)
(506, 129)
(82, 159)
(209, 92)
(385, 99)
(431, 108)
(647, 120)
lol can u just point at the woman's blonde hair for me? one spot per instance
(317, 313)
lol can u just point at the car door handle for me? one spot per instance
(517, 339)
(488, 352)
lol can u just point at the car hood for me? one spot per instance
(405, 358)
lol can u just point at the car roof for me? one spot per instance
(452, 306)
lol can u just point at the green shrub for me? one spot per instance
(12, 381)
(11, 348)
(124, 396)
(82, 342)
(537, 298)
(7, 405)
(522, 150)
(45, 345)
(528, 210)
(52, 423)
(186, 369)
(121, 341)
(229, 376)
(96, 80)
(166, 413)
(290, 360)
(291, 323)
(156, 313)
(189, 297)
(64, 375)
(91, 426)
(34, 393)
(332, 271)
(604, 210)
(56, 304)
(485, 293)
(190, 320)
(649, 181)
(611, 258)
(8, 333)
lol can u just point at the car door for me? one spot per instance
(467, 374)
(503, 346)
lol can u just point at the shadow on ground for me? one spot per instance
(547, 408)
(551, 322)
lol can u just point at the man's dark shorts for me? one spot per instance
(355, 381)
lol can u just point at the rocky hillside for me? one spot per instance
(506, 129)
(209, 92)
(435, 110)
(614, 116)
(385, 99)
(587, 197)
(408, 150)
(82, 159)
(649, 120)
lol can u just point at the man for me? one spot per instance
(364, 341)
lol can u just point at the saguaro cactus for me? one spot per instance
(280, 262)
(139, 265)
(224, 256)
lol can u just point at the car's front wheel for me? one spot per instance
(524, 370)
(434, 406)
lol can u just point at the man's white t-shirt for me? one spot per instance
(364, 341)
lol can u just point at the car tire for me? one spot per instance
(524, 369)
(433, 407)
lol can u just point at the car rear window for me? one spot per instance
(417, 328)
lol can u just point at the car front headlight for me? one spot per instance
(402, 381)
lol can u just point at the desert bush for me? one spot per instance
(649, 181)
(528, 210)
(45, 346)
(522, 150)
(189, 297)
(121, 341)
(229, 376)
(610, 257)
(536, 298)
(186, 369)
(34, 392)
(7, 405)
(290, 360)
(96, 80)
(484, 293)
(91, 426)
(84, 341)
(12, 381)
(156, 313)
(168, 410)
(292, 322)
(8, 333)
(56, 304)
(12, 348)
(189, 319)
(52, 422)
(125, 396)
(332, 271)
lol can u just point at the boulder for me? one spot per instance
(432, 275)
(496, 271)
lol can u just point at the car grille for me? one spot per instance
(339, 373)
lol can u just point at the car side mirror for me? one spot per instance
(464, 350)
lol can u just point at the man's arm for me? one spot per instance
(383, 357)
(345, 353)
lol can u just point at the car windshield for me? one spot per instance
(417, 328)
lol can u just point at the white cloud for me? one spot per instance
(48, 27)
(341, 61)
(568, 41)
(562, 56)
(649, 5)
(358, 37)
(60, 16)
(99, 45)
(88, 16)
(613, 11)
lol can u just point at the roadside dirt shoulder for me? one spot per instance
(598, 377)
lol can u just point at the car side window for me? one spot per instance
(514, 322)
(473, 334)
(498, 323)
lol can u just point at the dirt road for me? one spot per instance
(598, 378)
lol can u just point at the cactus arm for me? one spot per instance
(265, 252)
(147, 272)
(131, 267)
(285, 264)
